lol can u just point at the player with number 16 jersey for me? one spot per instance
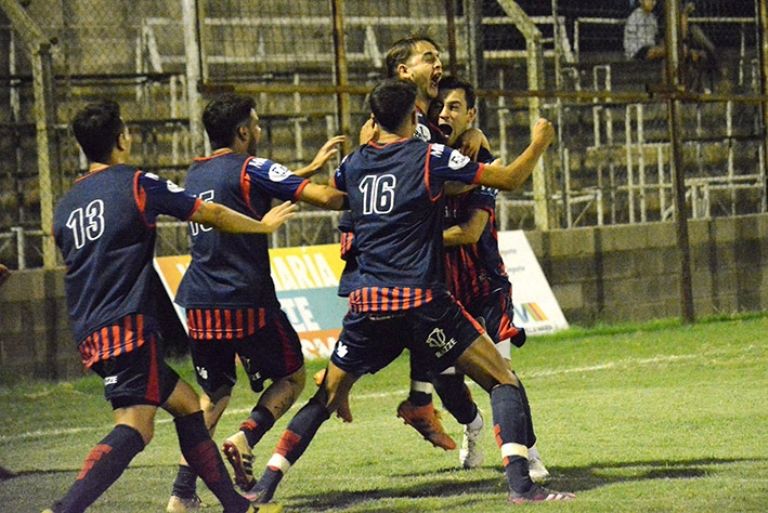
(399, 268)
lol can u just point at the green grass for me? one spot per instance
(642, 418)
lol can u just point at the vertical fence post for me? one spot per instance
(763, 13)
(39, 51)
(192, 71)
(675, 121)
(544, 209)
(342, 71)
(473, 18)
(450, 21)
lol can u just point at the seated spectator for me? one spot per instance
(641, 34)
(642, 42)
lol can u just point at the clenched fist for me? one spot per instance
(543, 133)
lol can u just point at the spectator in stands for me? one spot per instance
(642, 42)
(641, 34)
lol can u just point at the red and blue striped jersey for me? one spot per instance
(425, 131)
(396, 200)
(474, 271)
(105, 228)
(232, 270)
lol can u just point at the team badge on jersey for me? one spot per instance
(172, 187)
(278, 172)
(422, 132)
(457, 160)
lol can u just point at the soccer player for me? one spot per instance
(105, 228)
(231, 306)
(477, 278)
(395, 187)
(416, 59)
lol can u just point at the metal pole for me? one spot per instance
(473, 17)
(675, 122)
(39, 49)
(763, 10)
(450, 19)
(192, 68)
(342, 72)
(544, 209)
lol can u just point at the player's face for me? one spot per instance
(455, 114)
(648, 5)
(424, 68)
(254, 133)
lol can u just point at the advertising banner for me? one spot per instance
(306, 280)
(536, 308)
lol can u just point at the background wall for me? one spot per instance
(599, 275)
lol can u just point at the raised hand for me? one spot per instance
(543, 133)
(278, 215)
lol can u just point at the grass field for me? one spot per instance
(649, 418)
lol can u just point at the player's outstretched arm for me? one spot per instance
(227, 220)
(514, 175)
(327, 150)
(468, 232)
(324, 196)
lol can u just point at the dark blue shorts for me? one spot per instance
(437, 333)
(138, 377)
(497, 312)
(273, 352)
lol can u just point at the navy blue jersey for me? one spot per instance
(475, 271)
(425, 131)
(105, 228)
(232, 270)
(396, 199)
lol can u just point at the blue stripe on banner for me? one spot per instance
(313, 309)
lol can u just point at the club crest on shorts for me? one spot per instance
(437, 341)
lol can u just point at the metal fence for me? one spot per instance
(309, 64)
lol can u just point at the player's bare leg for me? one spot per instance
(332, 395)
(272, 404)
(483, 363)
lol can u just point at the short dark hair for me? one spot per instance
(450, 83)
(223, 115)
(402, 50)
(392, 101)
(97, 127)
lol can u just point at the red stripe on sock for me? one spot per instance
(287, 442)
(93, 457)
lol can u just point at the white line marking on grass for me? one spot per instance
(375, 395)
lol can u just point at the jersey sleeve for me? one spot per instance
(448, 164)
(274, 179)
(485, 156)
(339, 180)
(482, 198)
(155, 196)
